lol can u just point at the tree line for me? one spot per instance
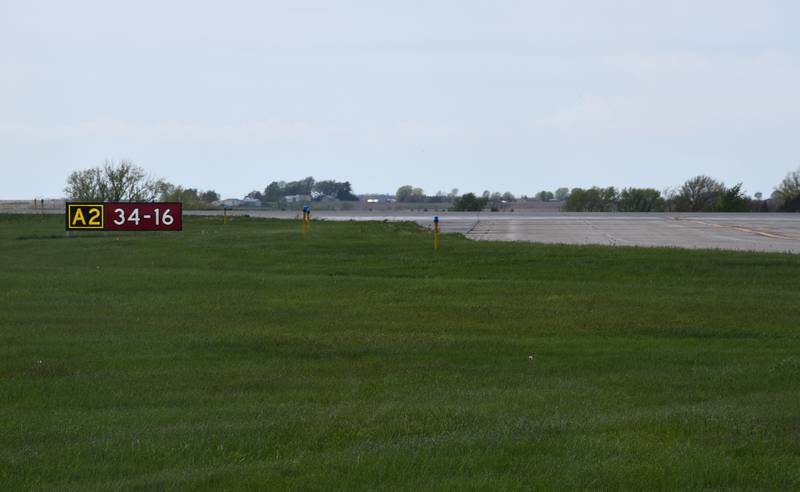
(277, 191)
(698, 194)
(128, 182)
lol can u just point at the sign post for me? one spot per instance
(123, 216)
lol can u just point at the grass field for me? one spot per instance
(246, 356)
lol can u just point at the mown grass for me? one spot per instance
(249, 357)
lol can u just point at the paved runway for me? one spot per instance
(748, 232)
(716, 231)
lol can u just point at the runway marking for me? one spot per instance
(613, 239)
(740, 229)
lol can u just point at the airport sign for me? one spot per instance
(124, 216)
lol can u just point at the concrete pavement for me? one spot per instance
(747, 232)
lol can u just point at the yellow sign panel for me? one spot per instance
(85, 216)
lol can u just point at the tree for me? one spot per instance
(698, 194)
(274, 191)
(408, 193)
(341, 190)
(733, 200)
(345, 193)
(468, 202)
(191, 198)
(255, 194)
(561, 194)
(328, 187)
(306, 186)
(301, 187)
(85, 185)
(508, 197)
(277, 190)
(788, 192)
(544, 196)
(640, 200)
(113, 183)
(404, 193)
(592, 200)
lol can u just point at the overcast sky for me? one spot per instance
(500, 95)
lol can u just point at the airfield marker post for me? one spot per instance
(436, 233)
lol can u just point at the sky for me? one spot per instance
(516, 96)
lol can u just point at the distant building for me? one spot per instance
(378, 198)
(251, 202)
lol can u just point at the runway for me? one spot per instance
(745, 232)
(706, 231)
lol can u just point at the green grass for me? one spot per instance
(248, 357)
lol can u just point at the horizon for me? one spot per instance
(429, 193)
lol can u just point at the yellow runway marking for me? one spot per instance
(747, 230)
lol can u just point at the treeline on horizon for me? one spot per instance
(698, 194)
(128, 182)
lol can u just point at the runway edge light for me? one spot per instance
(306, 219)
(436, 233)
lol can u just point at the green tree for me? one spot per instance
(698, 194)
(561, 194)
(345, 193)
(733, 200)
(190, 198)
(341, 190)
(211, 196)
(111, 182)
(468, 202)
(408, 193)
(255, 194)
(544, 196)
(274, 192)
(404, 193)
(301, 187)
(787, 193)
(85, 185)
(592, 200)
(640, 200)
(328, 187)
